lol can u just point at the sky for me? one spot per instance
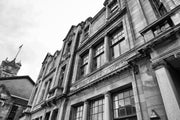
(41, 26)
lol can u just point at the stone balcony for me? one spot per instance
(162, 25)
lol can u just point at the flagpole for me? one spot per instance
(18, 52)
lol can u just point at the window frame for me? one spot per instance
(116, 97)
(117, 41)
(99, 52)
(157, 7)
(94, 105)
(84, 64)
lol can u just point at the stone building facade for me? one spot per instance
(121, 64)
(14, 96)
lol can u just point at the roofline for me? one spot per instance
(18, 77)
(72, 26)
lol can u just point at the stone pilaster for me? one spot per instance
(62, 110)
(75, 75)
(106, 49)
(90, 60)
(85, 111)
(107, 12)
(107, 106)
(166, 86)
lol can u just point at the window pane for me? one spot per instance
(96, 110)
(116, 51)
(78, 113)
(123, 105)
(127, 101)
(123, 46)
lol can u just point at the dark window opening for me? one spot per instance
(159, 7)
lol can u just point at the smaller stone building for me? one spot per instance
(14, 95)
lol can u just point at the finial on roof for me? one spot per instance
(20, 47)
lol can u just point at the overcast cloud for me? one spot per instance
(40, 25)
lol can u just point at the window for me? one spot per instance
(124, 105)
(159, 7)
(97, 110)
(12, 113)
(49, 86)
(78, 113)
(113, 6)
(54, 114)
(47, 116)
(86, 32)
(62, 73)
(84, 65)
(68, 47)
(99, 56)
(118, 43)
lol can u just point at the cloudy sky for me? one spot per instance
(40, 25)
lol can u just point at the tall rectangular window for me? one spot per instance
(54, 114)
(159, 7)
(99, 59)
(84, 65)
(118, 43)
(12, 113)
(124, 105)
(113, 6)
(62, 73)
(78, 113)
(97, 110)
(47, 116)
(86, 32)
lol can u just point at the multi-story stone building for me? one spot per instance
(121, 64)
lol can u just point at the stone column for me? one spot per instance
(85, 111)
(76, 67)
(107, 12)
(106, 49)
(62, 110)
(107, 106)
(168, 94)
(90, 60)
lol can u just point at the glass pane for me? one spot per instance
(96, 103)
(100, 108)
(127, 101)
(120, 95)
(121, 112)
(116, 51)
(96, 110)
(102, 59)
(121, 103)
(115, 98)
(128, 109)
(132, 100)
(131, 92)
(100, 117)
(95, 117)
(124, 46)
(115, 113)
(126, 94)
(116, 105)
